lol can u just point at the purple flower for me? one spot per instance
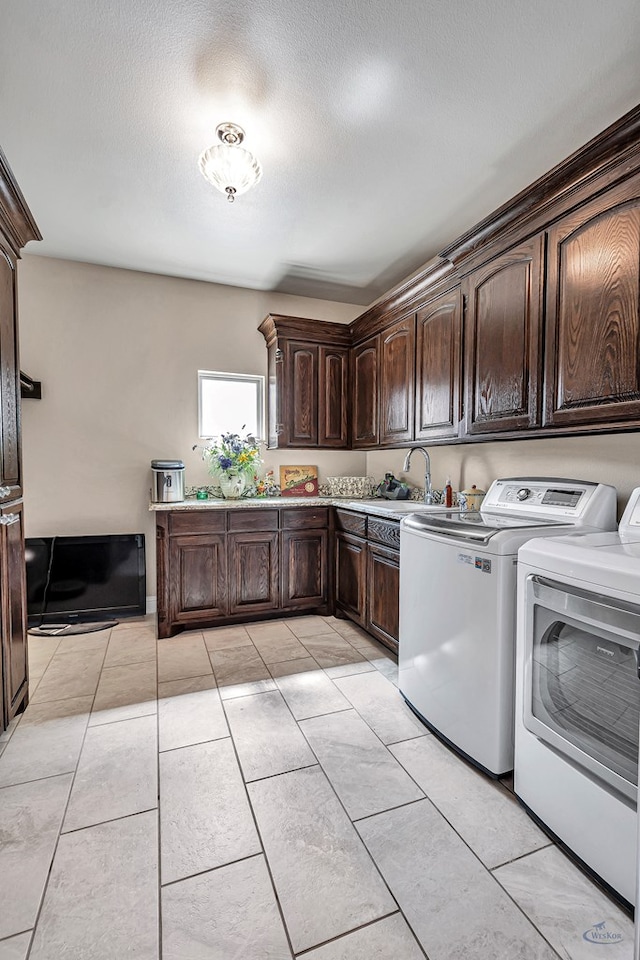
(224, 462)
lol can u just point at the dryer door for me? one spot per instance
(582, 693)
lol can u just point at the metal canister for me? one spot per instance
(168, 481)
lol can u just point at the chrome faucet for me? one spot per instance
(428, 490)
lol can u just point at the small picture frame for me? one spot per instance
(298, 481)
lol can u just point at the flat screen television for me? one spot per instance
(85, 579)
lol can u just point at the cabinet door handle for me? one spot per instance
(9, 518)
(4, 492)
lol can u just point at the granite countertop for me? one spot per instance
(383, 508)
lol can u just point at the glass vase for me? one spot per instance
(232, 485)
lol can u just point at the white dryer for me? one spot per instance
(578, 694)
(458, 606)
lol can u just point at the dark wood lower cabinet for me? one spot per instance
(229, 566)
(351, 571)
(383, 594)
(13, 613)
(367, 572)
(198, 570)
(304, 568)
(253, 573)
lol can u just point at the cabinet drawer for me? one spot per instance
(351, 522)
(197, 521)
(250, 520)
(384, 531)
(301, 518)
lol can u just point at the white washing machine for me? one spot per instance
(578, 694)
(458, 606)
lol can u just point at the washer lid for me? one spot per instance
(475, 528)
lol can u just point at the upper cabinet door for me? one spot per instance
(502, 333)
(301, 395)
(10, 474)
(333, 387)
(438, 367)
(593, 329)
(364, 381)
(397, 382)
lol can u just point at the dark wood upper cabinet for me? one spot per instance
(397, 382)
(365, 430)
(301, 394)
(502, 329)
(438, 367)
(593, 323)
(333, 393)
(308, 382)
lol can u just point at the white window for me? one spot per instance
(230, 403)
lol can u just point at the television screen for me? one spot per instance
(72, 579)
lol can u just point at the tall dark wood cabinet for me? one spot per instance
(593, 320)
(308, 372)
(502, 334)
(17, 227)
(365, 367)
(397, 382)
(439, 367)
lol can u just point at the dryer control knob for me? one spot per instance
(523, 493)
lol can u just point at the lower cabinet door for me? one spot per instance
(253, 572)
(198, 586)
(383, 594)
(304, 568)
(13, 611)
(351, 571)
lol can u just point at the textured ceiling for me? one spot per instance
(385, 129)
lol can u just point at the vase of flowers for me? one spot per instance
(232, 461)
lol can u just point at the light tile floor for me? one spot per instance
(261, 793)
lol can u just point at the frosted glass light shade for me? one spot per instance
(232, 169)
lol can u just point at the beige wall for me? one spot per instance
(614, 459)
(118, 354)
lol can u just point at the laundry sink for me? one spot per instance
(400, 506)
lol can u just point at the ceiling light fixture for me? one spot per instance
(228, 166)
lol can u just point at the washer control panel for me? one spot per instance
(539, 497)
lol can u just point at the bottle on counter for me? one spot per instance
(448, 493)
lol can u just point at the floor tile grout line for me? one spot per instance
(64, 814)
(357, 834)
(529, 919)
(100, 823)
(198, 743)
(260, 840)
(24, 783)
(282, 773)
(397, 806)
(362, 926)
(202, 873)
(487, 869)
(20, 933)
(522, 856)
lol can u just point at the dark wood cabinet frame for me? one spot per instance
(526, 326)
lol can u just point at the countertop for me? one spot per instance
(382, 508)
